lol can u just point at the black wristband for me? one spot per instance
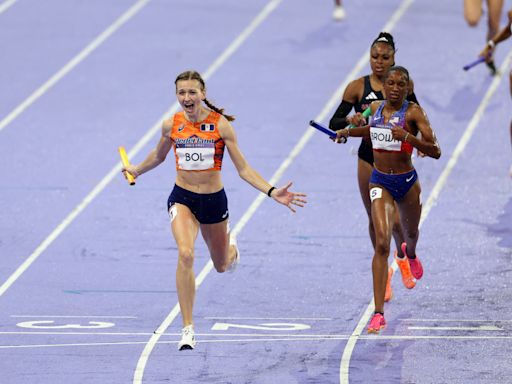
(270, 191)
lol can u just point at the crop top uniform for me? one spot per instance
(197, 146)
(382, 141)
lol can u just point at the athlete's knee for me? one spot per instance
(382, 247)
(186, 257)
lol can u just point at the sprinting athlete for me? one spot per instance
(394, 183)
(199, 134)
(359, 94)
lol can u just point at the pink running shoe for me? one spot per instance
(415, 264)
(376, 323)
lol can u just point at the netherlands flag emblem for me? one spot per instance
(207, 127)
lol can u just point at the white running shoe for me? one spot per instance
(188, 339)
(339, 13)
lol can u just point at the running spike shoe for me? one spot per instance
(188, 339)
(376, 323)
(415, 264)
(405, 269)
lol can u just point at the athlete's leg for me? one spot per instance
(410, 213)
(216, 238)
(382, 212)
(364, 172)
(472, 11)
(185, 228)
(494, 8)
(398, 233)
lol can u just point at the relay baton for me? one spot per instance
(473, 63)
(367, 112)
(321, 128)
(126, 162)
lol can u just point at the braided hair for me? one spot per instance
(194, 75)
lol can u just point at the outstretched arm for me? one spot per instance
(251, 176)
(156, 156)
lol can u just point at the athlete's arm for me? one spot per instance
(157, 155)
(362, 131)
(350, 97)
(502, 35)
(427, 143)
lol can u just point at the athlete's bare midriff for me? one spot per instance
(200, 181)
(392, 162)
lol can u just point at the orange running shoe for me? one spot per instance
(405, 269)
(415, 264)
(388, 295)
(376, 323)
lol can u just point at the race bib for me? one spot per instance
(195, 159)
(383, 139)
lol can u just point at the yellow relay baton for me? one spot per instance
(126, 162)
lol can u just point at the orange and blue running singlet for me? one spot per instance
(197, 146)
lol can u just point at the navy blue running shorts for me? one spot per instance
(208, 208)
(397, 185)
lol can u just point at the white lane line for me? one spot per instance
(6, 5)
(66, 333)
(479, 328)
(266, 340)
(132, 11)
(269, 318)
(432, 199)
(73, 316)
(456, 320)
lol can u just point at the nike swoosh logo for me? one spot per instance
(409, 179)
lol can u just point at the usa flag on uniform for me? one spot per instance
(207, 127)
